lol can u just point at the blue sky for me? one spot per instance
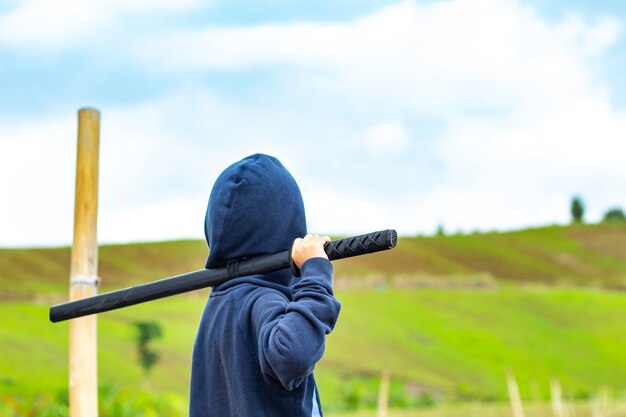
(477, 115)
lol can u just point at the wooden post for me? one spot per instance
(558, 404)
(84, 268)
(383, 392)
(514, 396)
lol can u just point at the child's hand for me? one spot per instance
(312, 246)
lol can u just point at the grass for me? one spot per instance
(460, 343)
(27, 273)
(35, 351)
(535, 409)
(446, 315)
(455, 345)
(581, 255)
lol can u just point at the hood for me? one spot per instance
(255, 208)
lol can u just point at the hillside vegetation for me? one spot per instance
(587, 255)
(448, 316)
(453, 344)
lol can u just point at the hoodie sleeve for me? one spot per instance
(292, 335)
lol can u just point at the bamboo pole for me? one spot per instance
(84, 268)
(516, 400)
(383, 392)
(558, 404)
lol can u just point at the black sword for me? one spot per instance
(338, 249)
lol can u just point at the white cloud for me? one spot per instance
(37, 163)
(590, 40)
(172, 219)
(158, 161)
(523, 122)
(331, 210)
(518, 97)
(53, 25)
(387, 138)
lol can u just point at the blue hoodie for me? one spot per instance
(260, 336)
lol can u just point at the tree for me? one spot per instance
(614, 215)
(146, 332)
(577, 210)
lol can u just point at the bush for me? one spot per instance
(577, 209)
(126, 403)
(614, 215)
(362, 393)
(111, 403)
(146, 332)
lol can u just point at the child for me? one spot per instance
(260, 336)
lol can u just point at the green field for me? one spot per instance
(453, 344)
(541, 409)
(448, 316)
(581, 255)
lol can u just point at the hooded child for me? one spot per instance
(260, 336)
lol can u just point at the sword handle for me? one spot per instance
(355, 246)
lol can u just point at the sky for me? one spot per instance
(476, 115)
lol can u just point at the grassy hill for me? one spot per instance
(446, 344)
(587, 255)
(447, 315)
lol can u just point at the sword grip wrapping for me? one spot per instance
(362, 244)
(356, 245)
